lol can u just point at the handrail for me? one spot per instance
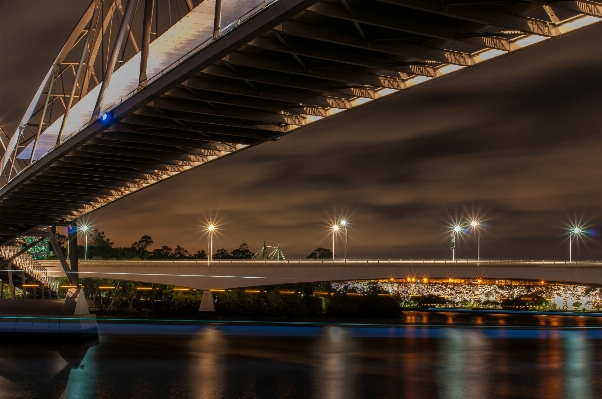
(351, 262)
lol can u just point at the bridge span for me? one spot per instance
(246, 273)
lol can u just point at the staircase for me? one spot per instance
(33, 272)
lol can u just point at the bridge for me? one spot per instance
(139, 94)
(224, 274)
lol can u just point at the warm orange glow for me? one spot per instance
(68, 286)
(353, 294)
(320, 293)
(216, 290)
(253, 291)
(425, 280)
(106, 287)
(144, 288)
(181, 289)
(286, 292)
(30, 285)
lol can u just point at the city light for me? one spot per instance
(457, 229)
(105, 117)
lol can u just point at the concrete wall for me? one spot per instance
(235, 274)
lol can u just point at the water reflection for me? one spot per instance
(441, 356)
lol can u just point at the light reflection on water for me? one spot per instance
(439, 356)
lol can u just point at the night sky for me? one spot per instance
(513, 141)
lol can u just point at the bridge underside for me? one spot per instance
(295, 62)
(238, 275)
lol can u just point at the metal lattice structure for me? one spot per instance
(269, 253)
(219, 78)
(32, 268)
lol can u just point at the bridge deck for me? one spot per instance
(235, 274)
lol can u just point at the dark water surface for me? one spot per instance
(425, 355)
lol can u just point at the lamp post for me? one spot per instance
(344, 224)
(574, 231)
(475, 227)
(455, 230)
(85, 228)
(211, 230)
(335, 229)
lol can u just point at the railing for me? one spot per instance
(351, 262)
(225, 31)
(29, 265)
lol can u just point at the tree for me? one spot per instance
(200, 255)
(242, 252)
(142, 244)
(164, 252)
(221, 253)
(100, 246)
(320, 253)
(99, 240)
(180, 253)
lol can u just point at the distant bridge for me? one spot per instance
(239, 274)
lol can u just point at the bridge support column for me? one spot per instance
(75, 302)
(207, 304)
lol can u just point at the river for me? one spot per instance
(423, 355)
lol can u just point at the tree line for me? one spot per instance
(101, 247)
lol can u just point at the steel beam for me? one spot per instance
(482, 16)
(331, 35)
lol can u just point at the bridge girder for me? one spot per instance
(288, 64)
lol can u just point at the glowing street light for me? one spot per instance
(335, 229)
(344, 224)
(211, 231)
(85, 228)
(574, 231)
(455, 230)
(475, 227)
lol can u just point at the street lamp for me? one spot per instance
(475, 227)
(574, 231)
(210, 230)
(85, 228)
(335, 229)
(344, 224)
(455, 230)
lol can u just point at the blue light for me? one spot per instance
(104, 117)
